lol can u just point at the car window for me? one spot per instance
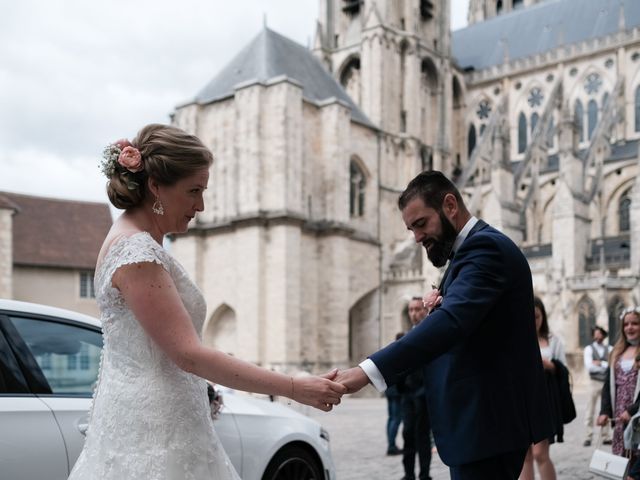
(68, 355)
(11, 378)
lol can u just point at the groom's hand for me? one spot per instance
(432, 299)
(353, 378)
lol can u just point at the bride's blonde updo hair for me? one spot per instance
(168, 154)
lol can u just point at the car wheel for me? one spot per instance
(293, 463)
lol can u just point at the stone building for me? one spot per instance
(553, 122)
(49, 248)
(533, 109)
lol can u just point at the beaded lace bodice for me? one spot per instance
(149, 419)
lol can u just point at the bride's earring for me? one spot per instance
(157, 207)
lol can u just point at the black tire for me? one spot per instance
(293, 463)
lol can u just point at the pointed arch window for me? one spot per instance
(522, 133)
(551, 133)
(358, 183)
(637, 108)
(471, 140)
(351, 7)
(623, 212)
(426, 158)
(592, 117)
(534, 121)
(578, 114)
(426, 9)
(350, 79)
(616, 306)
(586, 320)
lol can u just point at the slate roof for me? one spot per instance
(539, 28)
(48, 232)
(270, 55)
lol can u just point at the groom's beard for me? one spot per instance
(440, 248)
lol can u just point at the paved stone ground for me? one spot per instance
(358, 443)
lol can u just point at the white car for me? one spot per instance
(48, 366)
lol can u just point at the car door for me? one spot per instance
(227, 430)
(67, 355)
(31, 445)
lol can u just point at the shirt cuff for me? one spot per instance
(376, 378)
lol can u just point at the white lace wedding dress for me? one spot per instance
(149, 419)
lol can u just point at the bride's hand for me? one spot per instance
(319, 392)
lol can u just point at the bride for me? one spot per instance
(150, 416)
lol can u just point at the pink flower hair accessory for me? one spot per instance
(123, 158)
(130, 159)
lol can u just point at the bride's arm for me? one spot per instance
(152, 296)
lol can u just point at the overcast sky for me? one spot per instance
(77, 74)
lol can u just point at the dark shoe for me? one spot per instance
(606, 441)
(408, 478)
(394, 451)
(587, 443)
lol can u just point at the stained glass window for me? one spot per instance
(579, 119)
(471, 140)
(522, 133)
(593, 83)
(356, 194)
(484, 109)
(592, 117)
(535, 97)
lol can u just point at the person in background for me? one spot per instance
(394, 410)
(596, 356)
(622, 382)
(552, 353)
(415, 416)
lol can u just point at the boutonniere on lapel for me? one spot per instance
(432, 300)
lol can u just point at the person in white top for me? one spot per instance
(596, 363)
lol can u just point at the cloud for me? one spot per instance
(77, 74)
(39, 173)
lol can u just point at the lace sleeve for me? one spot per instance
(137, 248)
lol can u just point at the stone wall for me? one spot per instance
(52, 286)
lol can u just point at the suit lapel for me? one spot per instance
(444, 277)
(478, 226)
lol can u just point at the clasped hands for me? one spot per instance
(325, 391)
(351, 380)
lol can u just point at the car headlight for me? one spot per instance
(324, 434)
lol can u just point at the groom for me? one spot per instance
(483, 374)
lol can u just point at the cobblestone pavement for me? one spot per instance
(358, 443)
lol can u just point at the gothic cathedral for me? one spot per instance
(533, 109)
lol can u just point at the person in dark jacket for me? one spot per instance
(394, 412)
(553, 362)
(487, 405)
(415, 416)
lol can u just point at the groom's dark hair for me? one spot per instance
(431, 186)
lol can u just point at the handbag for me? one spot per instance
(608, 465)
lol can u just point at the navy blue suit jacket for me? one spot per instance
(484, 380)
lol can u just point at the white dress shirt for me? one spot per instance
(370, 369)
(603, 352)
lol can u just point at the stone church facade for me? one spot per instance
(301, 253)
